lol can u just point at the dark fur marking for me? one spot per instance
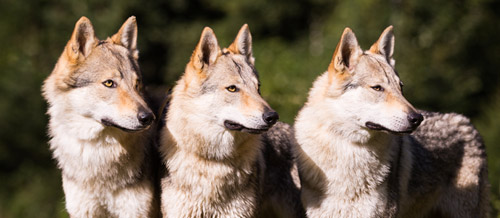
(131, 61)
(77, 80)
(239, 69)
(207, 87)
(389, 78)
(101, 42)
(382, 67)
(255, 72)
(81, 83)
(135, 67)
(349, 86)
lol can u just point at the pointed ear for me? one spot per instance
(82, 40)
(207, 51)
(385, 45)
(243, 43)
(127, 36)
(346, 53)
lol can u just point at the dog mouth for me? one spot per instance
(109, 122)
(378, 127)
(231, 125)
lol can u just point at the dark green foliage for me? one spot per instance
(447, 53)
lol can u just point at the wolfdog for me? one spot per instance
(212, 146)
(98, 122)
(357, 158)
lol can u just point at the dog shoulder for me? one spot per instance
(448, 129)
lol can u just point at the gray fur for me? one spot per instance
(281, 177)
(442, 147)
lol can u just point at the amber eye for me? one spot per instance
(109, 83)
(232, 88)
(378, 88)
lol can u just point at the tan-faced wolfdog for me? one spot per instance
(218, 164)
(357, 158)
(98, 122)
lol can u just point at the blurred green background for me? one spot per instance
(447, 53)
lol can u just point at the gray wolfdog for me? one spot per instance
(357, 158)
(218, 164)
(98, 122)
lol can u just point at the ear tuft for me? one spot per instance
(242, 44)
(385, 45)
(346, 52)
(207, 51)
(82, 39)
(127, 35)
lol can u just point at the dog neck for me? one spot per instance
(357, 167)
(89, 153)
(208, 165)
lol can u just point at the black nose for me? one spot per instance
(145, 117)
(415, 119)
(270, 117)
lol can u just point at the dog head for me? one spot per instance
(363, 86)
(100, 80)
(221, 87)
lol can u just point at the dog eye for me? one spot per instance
(232, 88)
(109, 83)
(378, 88)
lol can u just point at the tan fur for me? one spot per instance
(354, 160)
(106, 171)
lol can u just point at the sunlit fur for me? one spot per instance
(348, 169)
(105, 169)
(214, 171)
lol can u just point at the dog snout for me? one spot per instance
(145, 117)
(270, 117)
(415, 119)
